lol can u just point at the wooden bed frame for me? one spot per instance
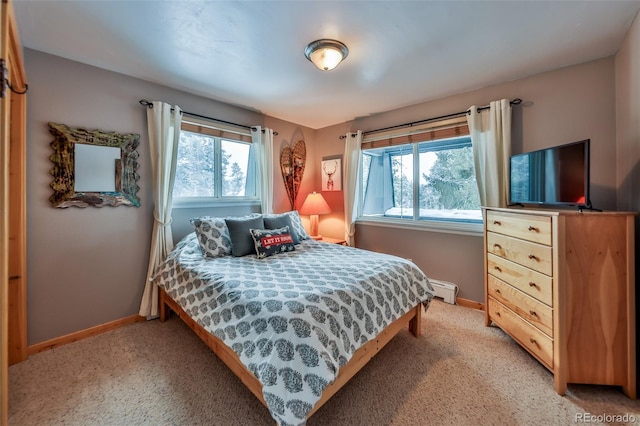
(359, 359)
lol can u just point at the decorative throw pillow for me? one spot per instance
(296, 224)
(268, 242)
(241, 240)
(213, 236)
(280, 221)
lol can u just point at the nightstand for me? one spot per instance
(340, 241)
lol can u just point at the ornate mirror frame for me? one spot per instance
(63, 171)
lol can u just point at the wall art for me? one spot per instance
(332, 173)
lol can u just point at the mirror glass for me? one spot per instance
(95, 168)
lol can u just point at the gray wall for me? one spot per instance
(561, 106)
(87, 266)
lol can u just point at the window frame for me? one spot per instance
(220, 133)
(426, 133)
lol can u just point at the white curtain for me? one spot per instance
(163, 122)
(491, 140)
(352, 184)
(262, 143)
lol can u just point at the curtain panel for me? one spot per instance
(263, 148)
(352, 187)
(163, 122)
(490, 131)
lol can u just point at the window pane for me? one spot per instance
(366, 169)
(448, 187)
(402, 176)
(373, 183)
(195, 172)
(388, 181)
(235, 164)
(366, 165)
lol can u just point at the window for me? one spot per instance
(430, 179)
(214, 165)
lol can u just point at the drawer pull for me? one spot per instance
(497, 222)
(533, 257)
(497, 268)
(532, 284)
(497, 246)
(533, 313)
(497, 314)
(532, 340)
(533, 229)
(498, 291)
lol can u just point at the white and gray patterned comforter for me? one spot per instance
(295, 318)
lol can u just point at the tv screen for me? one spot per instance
(556, 175)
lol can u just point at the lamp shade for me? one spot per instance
(326, 54)
(315, 204)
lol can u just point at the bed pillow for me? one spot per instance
(280, 221)
(296, 224)
(268, 242)
(241, 240)
(213, 236)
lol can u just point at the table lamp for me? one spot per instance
(315, 205)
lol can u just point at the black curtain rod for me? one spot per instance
(516, 101)
(149, 105)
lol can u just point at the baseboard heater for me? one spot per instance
(445, 290)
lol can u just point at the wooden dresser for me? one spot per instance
(562, 284)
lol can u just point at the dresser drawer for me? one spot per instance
(527, 307)
(532, 255)
(528, 227)
(524, 333)
(533, 283)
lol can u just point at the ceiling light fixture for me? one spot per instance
(325, 53)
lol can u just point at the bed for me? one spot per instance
(294, 327)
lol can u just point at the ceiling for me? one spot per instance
(250, 53)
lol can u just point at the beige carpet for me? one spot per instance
(458, 373)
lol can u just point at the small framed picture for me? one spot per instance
(332, 173)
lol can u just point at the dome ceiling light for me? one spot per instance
(326, 54)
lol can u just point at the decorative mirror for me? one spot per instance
(93, 168)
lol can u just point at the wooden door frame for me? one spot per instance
(4, 230)
(13, 332)
(17, 288)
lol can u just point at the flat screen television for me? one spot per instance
(555, 176)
